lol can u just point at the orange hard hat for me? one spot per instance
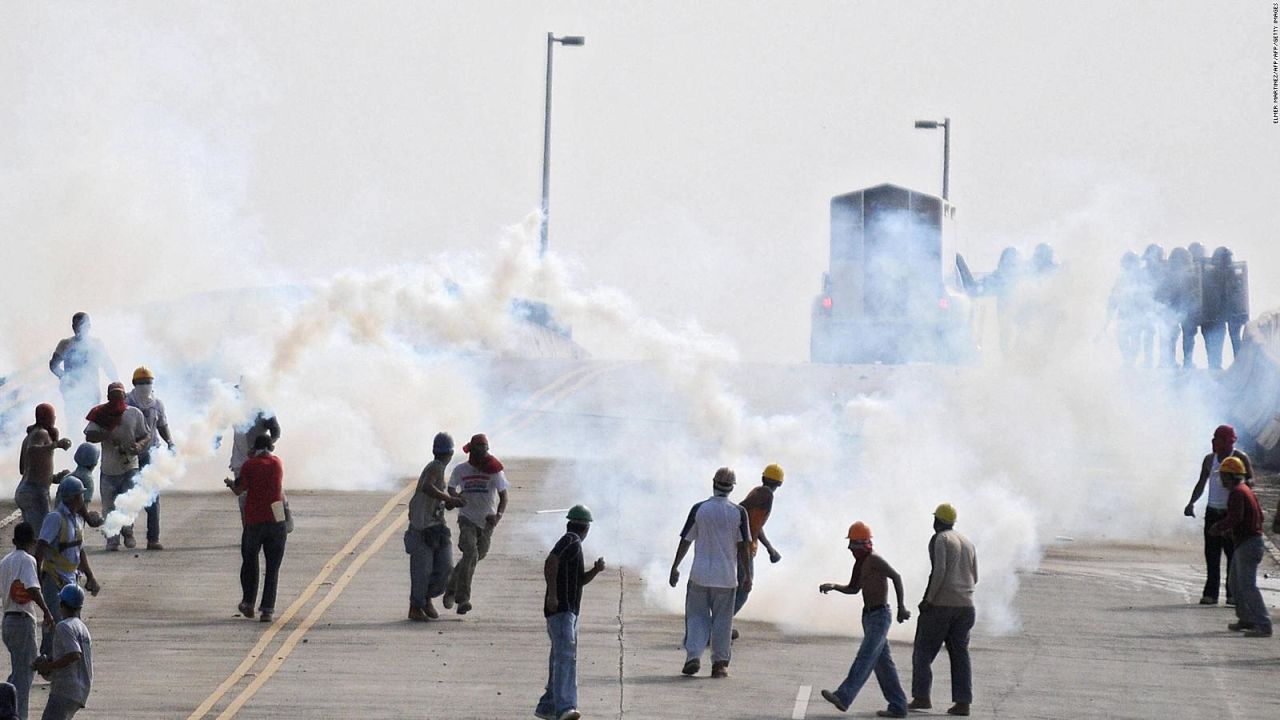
(859, 532)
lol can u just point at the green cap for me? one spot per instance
(579, 513)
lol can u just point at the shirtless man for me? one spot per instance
(77, 361)
(871, 574)
(35, 462)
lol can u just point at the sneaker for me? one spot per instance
(720, 669)
(545, 715)
(245, 609)
(570, 714)
(113, 544)
(416, 614)
(920, 704)
(430, 610)
(691, 667)
(129, 542)
(959, 709)
(891, 713)
(447, 601)
(464, 608)
(1258, 632)
(154, 545)
(1240, 626)
(266, 616)
(831, 698)
(1206, 600)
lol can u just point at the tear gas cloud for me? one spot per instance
(145, 218)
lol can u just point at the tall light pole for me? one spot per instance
(946, 149)
(546, 135)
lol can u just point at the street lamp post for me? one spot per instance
(546, 136)
(946, 149)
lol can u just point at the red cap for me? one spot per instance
(115, 386)
(477, 438)
(1225, 432)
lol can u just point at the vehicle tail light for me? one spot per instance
(826, 303)
(944, 303)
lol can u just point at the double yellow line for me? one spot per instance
(524, 415)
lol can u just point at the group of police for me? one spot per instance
(1157, 298)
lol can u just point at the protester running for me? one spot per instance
(482, 484)
(758, 504)
(122, 432)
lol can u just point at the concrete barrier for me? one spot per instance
(1253, 385)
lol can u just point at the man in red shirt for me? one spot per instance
(1243, 523)
(261, 480)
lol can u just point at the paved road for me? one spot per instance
(1108, 631)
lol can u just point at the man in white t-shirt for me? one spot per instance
(71, 663)
(721, 534)
(481, 483)
(122, 431)
(21, 599)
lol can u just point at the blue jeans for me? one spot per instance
(115, 485)
(1250, 607)
(708, 617)
(20, 639)
(430, 564)
(873, 655)
(562, 667)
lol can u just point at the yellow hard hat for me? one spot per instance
(773, 472)
(141, 374)
(946, 513)
(1232, 465)
(859, 532)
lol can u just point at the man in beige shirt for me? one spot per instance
(946, 614)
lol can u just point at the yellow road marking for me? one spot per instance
(578, 377)
(282, 620)
(296, 636)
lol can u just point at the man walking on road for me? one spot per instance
(122, 431)
(71, 663)
(427, 539)
(758, 504)
(1243, 523)
(721, 534)
(871, 576)
(481, 483)
(946, 614)
(265, 531)
(22, 596)
(565, 574)
(144, 398)
(1215, 546)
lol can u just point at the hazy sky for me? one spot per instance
(151, 149)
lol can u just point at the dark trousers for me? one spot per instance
(267, 538)
(1188, 344)
(935, 627)
(1215, 546)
